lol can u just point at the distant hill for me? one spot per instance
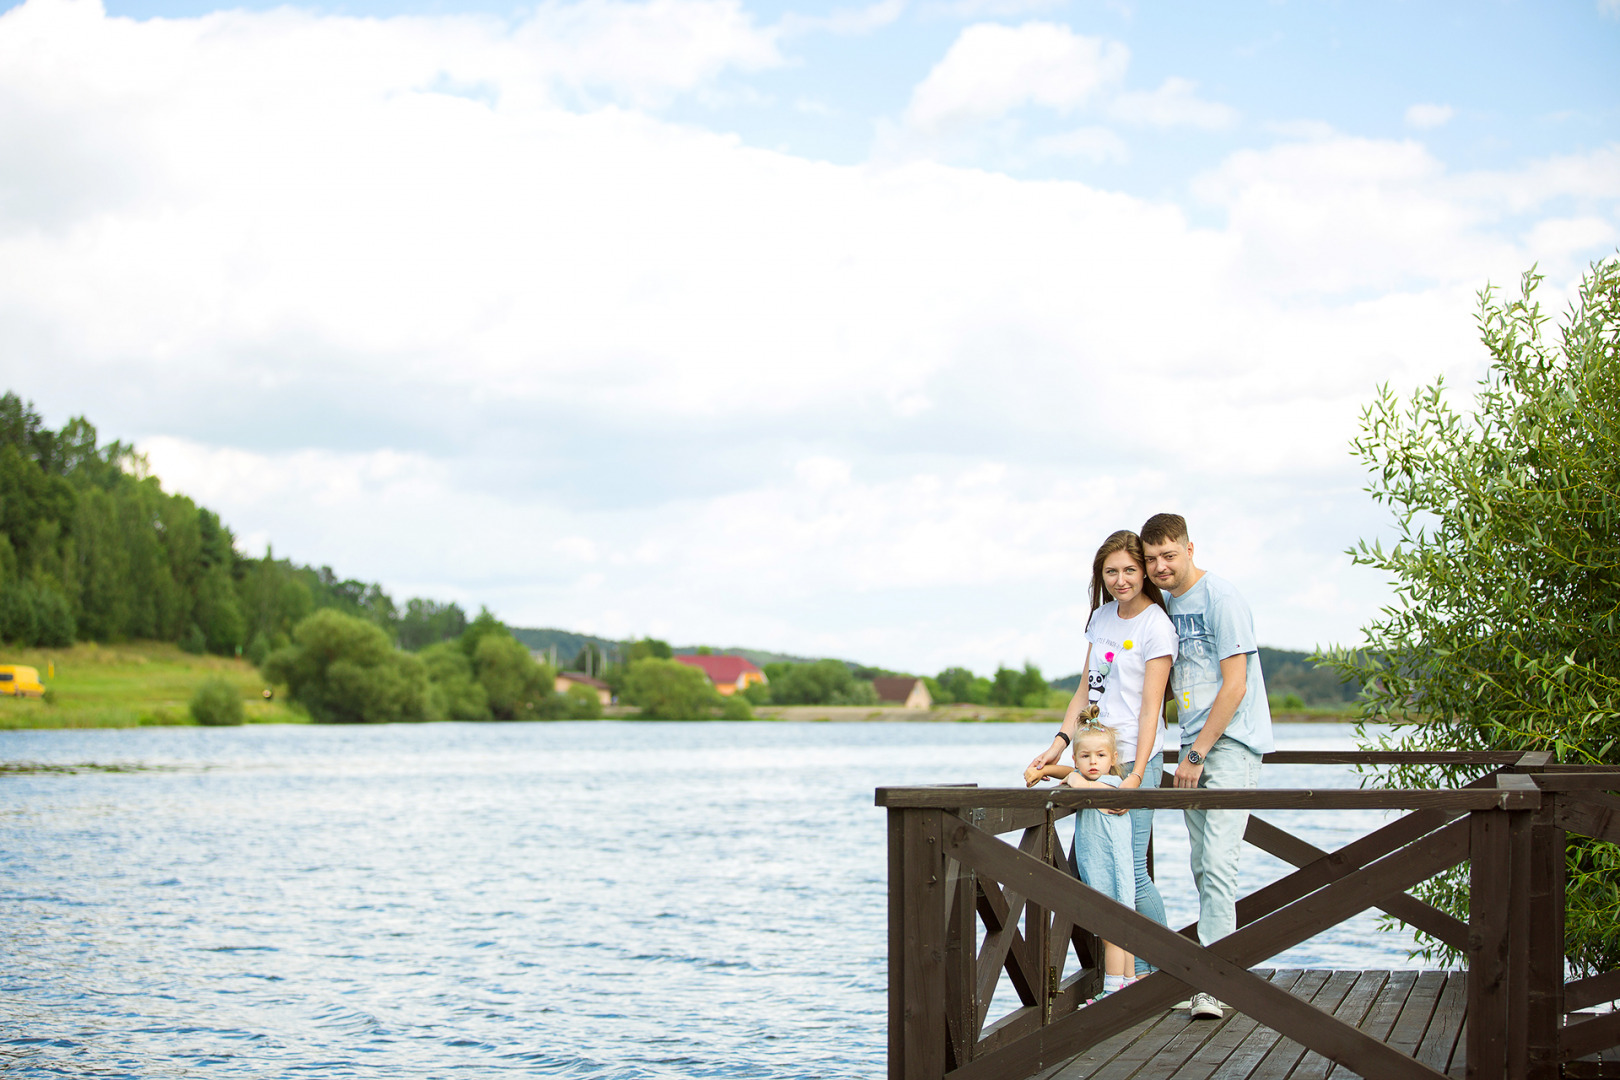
(1286, 672)
(569, 643)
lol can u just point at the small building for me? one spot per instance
(573, 678)
(904, 690)
(729, 674)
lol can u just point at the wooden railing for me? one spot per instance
(964, 906)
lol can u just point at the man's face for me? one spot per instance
(1170, 564)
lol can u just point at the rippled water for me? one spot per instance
(609, 899)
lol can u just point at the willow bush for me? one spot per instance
(1503, 631)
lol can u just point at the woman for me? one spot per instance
(1131, 643)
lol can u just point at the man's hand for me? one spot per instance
(1188, 774)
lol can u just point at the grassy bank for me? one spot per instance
(130, 685)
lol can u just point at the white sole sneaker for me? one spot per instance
(1205, 1007)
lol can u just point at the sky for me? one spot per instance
(832, 330)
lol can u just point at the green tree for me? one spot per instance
(649, 648)
(1032, 691)
(518, 687)
(454, 692)
(426, 622)
(344, 669)
(1004, 690)
(670, 690)
(823, 682)
(1506, 569)
(960, 684)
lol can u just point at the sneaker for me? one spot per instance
(1205, 1007)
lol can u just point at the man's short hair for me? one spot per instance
(1165, 529)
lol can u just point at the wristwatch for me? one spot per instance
(1194, 758)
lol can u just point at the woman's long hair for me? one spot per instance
(1131, 544)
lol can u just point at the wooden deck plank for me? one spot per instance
(1240, 1064)
(1439, 1043)
(1285, 1053)
(1421, 1014)
(1407, 1034)
(1144, 1050)
(1195, 1035)
(1214, 1051)
(1086, 1064)
(1352, 1010)
(1385, 1011)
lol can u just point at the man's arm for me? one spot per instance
(1234, 684)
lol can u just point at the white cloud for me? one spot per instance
(380, 291)
(992, 69)
(1424, 117)
(1174, 104)
(847, 21)
(1088, 143)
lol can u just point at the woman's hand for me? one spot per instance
(1049, 756)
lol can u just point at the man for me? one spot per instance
(1225, 719)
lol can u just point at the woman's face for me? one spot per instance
(1122, 576)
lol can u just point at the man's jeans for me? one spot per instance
(1217, 838)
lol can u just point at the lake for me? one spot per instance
(610, 899)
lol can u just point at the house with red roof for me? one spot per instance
(729, 674)
(905, 691)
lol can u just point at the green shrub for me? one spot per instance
(736, 707)
(346, 670)
(216, 703)
(583, 703)
(670, 690)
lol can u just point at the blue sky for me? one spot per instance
(835, 330)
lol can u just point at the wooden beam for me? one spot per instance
(1590, 1036)
(1221, 970)
(1592, 990)
(1284, 845)
(1464, 799)
(1590, 813)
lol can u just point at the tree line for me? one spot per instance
(93, 549)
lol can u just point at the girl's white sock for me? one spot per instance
(1112, 983)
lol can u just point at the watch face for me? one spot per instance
(1195, 757)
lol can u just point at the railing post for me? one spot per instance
(961, 966)
(1490, 858)
(917, 1034)
(1545, 1006)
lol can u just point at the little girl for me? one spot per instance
(1102, 838)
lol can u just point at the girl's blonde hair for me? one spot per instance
(1092, 729)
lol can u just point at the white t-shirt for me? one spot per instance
(1120, 650)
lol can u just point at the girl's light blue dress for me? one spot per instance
(1102, 851)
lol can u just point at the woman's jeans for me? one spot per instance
(1148, 901)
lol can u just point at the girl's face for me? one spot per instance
(1092, 756)
(1122, 576)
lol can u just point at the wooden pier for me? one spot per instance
(966, 906)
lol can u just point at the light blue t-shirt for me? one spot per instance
(1212, 623)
